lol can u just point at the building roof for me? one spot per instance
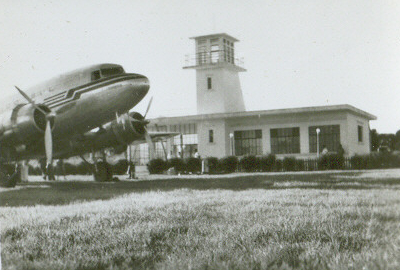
(215, 36)
(318, 109)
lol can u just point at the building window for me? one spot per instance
(285, 140)
(360, 134)
(211, 136)
(184, 145)
(209, 83)
(329, 137)
(248, 142)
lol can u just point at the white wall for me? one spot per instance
(226, 93)
(354, 146)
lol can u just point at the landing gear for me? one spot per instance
(101, 169)
(9, 176)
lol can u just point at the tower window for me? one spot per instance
(211, 136)
(214, 53)
(209, 83)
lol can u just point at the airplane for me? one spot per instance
(82, 111)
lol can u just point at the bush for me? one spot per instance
(289, 164)
(359, 162)
(300, 166)
(121, 167)
(34, 170)
(178, 164)
(267, 163)
(249, 163)
(193, 165)
(70, 169)
(157, 166)
(278, 165)
(83, 168)
(228, 164)
(212, 164)
(331, 162)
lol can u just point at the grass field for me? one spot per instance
(266, 221)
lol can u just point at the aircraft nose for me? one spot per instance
(142, 86)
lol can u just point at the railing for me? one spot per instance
(213, 58)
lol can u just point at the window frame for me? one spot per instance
(285, 140)
(330, 139)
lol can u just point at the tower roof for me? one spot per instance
(215, 36)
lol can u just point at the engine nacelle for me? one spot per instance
(120, 132)
(127, 128)
(23, 124)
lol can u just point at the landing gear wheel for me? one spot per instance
(9, 176)
(102, 172)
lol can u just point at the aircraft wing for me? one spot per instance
(156, 137)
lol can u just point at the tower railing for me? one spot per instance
(213, 58)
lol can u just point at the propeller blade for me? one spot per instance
(30, 100)
(150, 143)
(148, 107)
(48, 143)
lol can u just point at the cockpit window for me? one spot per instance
(112, 71)
(95, 75)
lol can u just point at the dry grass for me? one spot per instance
(285, 222)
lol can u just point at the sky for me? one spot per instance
(298, 53)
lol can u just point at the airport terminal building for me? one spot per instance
(223, 127)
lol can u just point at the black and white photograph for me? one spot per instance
(212, 134)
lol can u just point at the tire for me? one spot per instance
(8, 176)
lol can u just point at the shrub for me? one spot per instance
(157, 166)
(83, 168)
(70, 169)
(289, 163)
(120, 167)
(212, 164)
(358, 162)
(331, 161)
(34, 170)
(228, 164)
(300, 166)
(178, 164)
(267, 163)
(278, 165)
(193, 165)
(249, 163)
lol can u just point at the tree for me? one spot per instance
(397, 139)
(374, 140)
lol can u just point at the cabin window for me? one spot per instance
(112, 71)
(95, 75)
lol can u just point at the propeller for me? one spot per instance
(146, 133)
(141, 120)
(148, 107)
(48, 137)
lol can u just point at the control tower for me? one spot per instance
(217, 74)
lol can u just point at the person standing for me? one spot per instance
(324, 150)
